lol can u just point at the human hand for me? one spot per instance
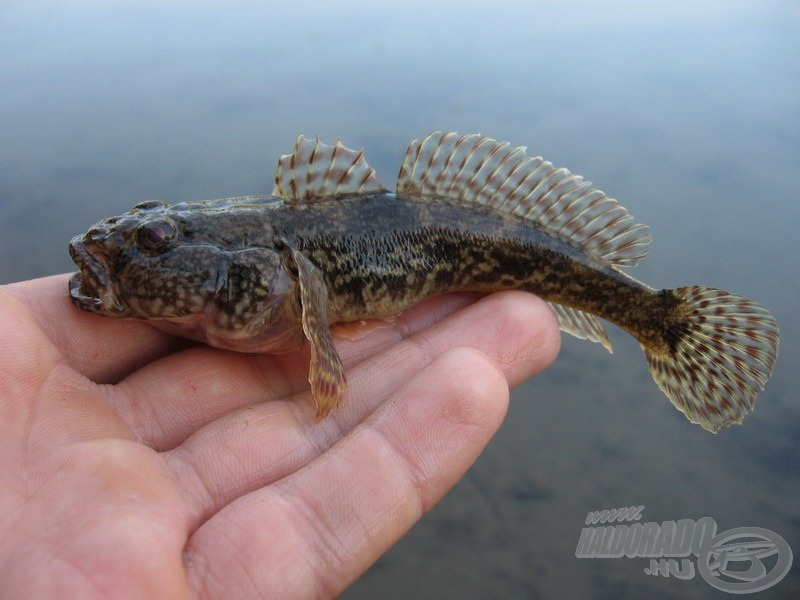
(136, 465)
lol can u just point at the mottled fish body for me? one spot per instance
(268, 273)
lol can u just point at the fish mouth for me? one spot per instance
(91, 289)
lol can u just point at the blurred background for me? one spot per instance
(688, 112)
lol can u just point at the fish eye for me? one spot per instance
(154, 236)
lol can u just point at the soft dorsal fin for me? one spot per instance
(476, 169)
(316, 170)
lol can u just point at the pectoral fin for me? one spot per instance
(326, 373)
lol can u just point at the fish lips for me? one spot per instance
(91, 289)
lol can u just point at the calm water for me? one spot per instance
(688, 113)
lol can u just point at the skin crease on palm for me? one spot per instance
(135, 465)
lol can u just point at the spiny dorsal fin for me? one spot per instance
(316, 170)
(476, 169)
(580, 324)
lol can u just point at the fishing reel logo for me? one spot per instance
(739, 561)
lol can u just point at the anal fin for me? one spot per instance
(580, 324)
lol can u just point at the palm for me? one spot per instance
(133, 464)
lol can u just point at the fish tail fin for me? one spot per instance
(718, 354)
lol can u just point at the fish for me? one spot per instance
(331, 244)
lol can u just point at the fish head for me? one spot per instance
(166, 265)
(142, 265)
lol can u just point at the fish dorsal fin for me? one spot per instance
(479, 170)
(316, 170)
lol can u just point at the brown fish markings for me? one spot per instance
(269, 273)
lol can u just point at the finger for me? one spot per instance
(318, 529)
(250, 448)
(171, 398)
(168, 401)
(43, 403)
(103, 349)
